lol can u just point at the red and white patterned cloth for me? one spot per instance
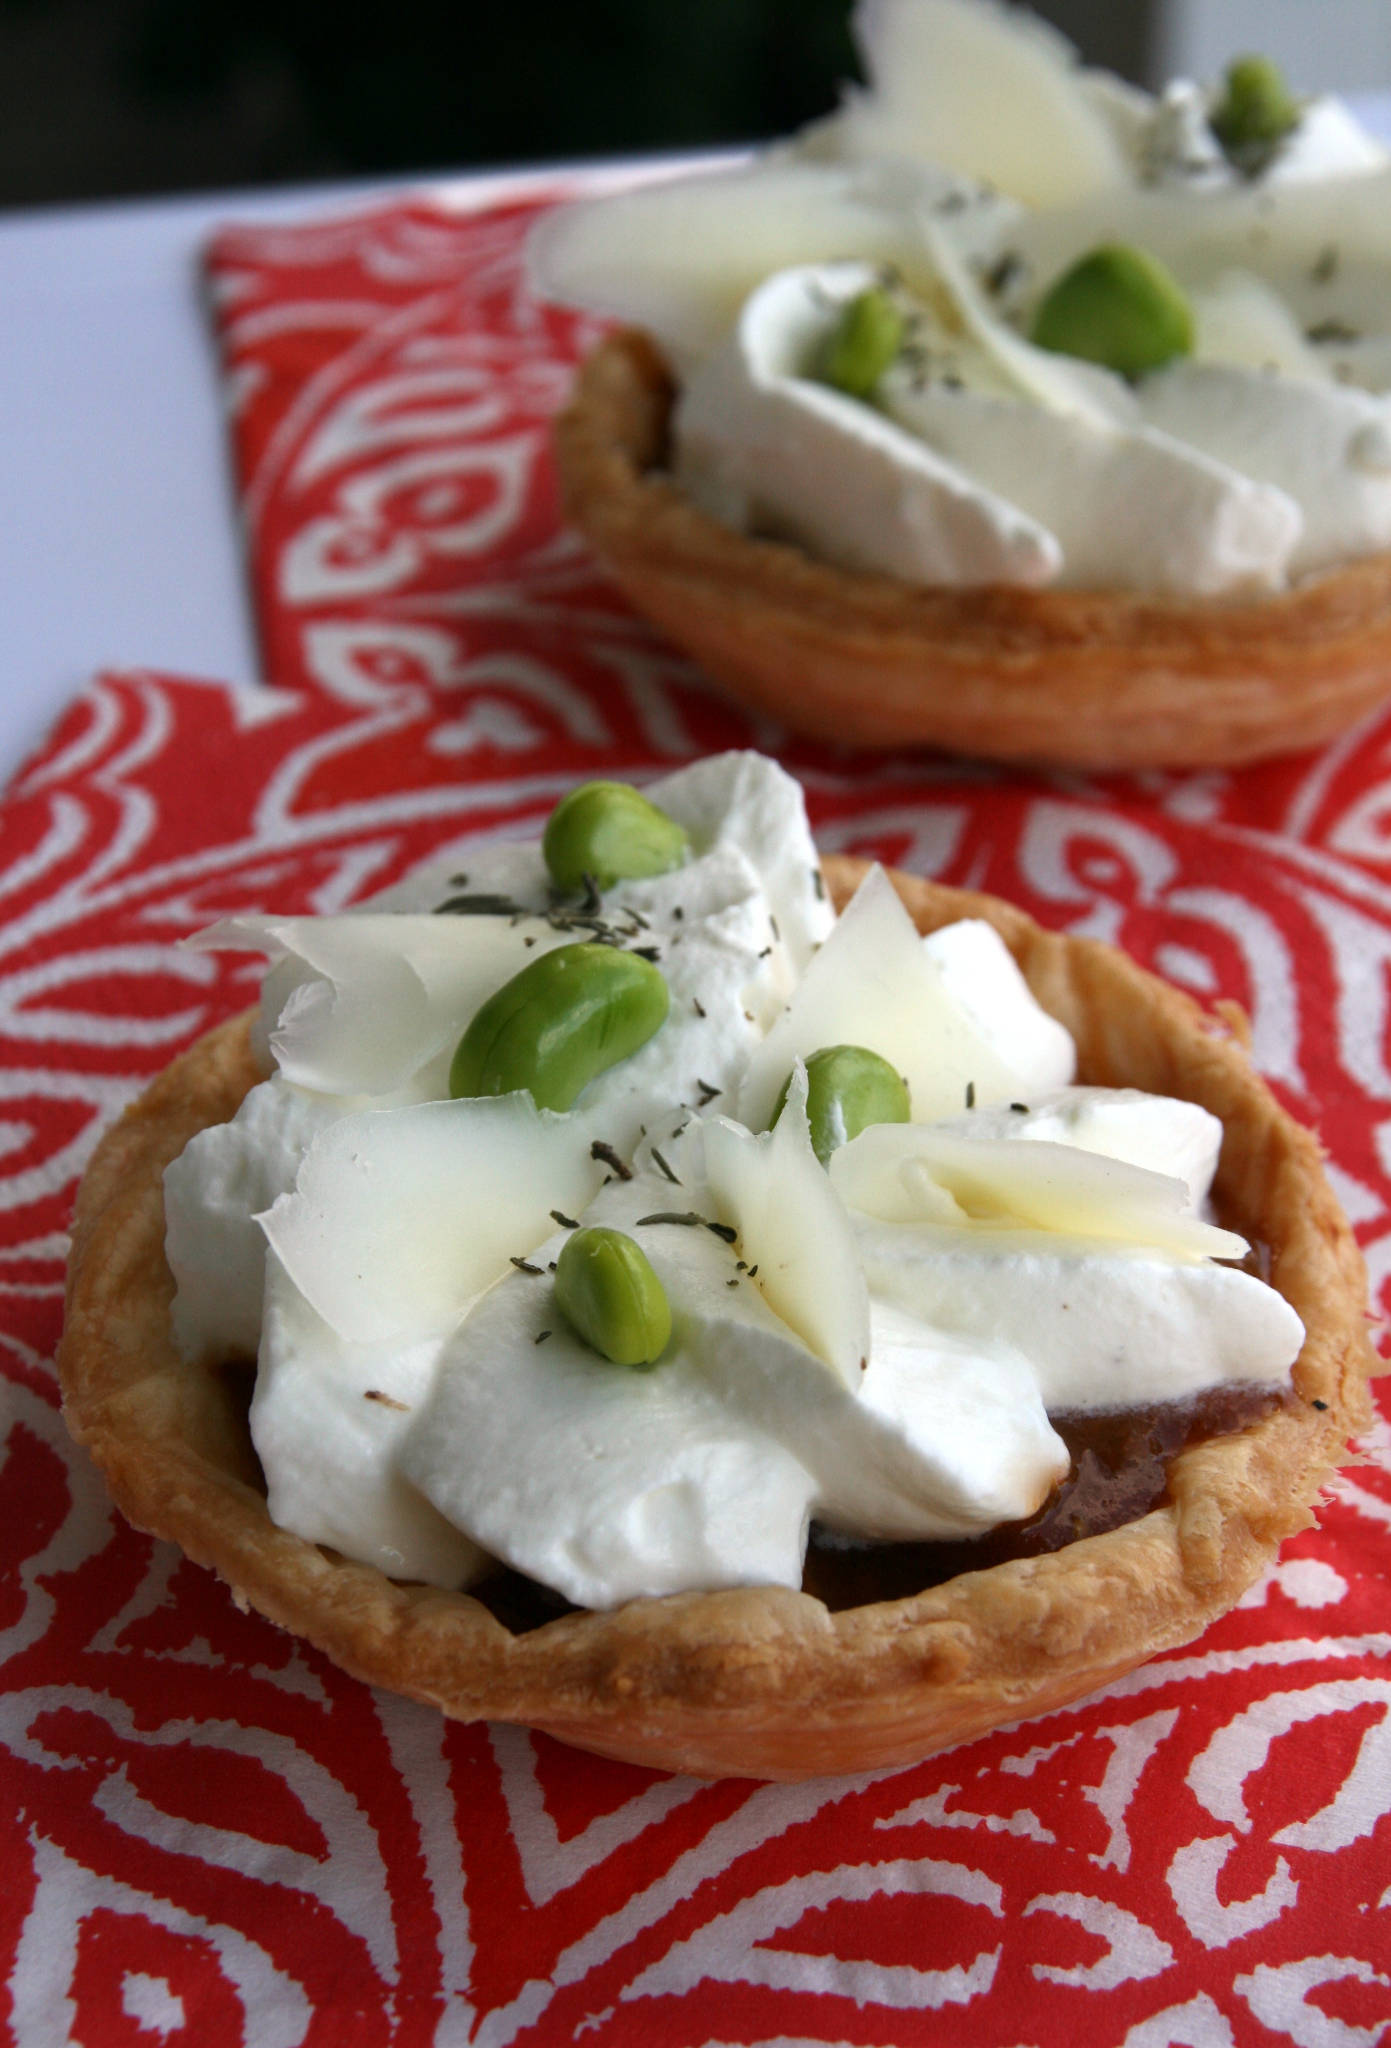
(210, 1835)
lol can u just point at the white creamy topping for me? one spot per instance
(349, 1405)
(761, 446)
(1310, 440)
(1097, 1323)
(982, 459)
(742, 813)
(213, 1193)
(747, 802)
(706, 1470)
(1125, 507)
(969, 473)
(876, 1346)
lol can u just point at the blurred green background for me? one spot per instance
(105, 98)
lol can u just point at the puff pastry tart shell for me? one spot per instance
(762, 1682)
(1072, 678)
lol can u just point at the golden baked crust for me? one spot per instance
(761, 1682)
(1089, 679)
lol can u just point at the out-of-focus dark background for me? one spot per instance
(105, 98)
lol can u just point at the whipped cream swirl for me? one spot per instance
(877, 1346)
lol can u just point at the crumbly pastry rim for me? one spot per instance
(761, 1682)
(1072, 678)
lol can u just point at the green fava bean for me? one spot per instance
(848, 1088)
(608, 1293)
(610, 832)
(568, 1016)
(1119, 307)
(1257, 110)
(862, 344)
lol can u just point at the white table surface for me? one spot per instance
(118, 537)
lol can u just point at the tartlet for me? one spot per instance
(1093, 679)
(760, 1682)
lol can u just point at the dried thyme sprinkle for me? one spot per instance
(773, 927)
(698, 1006)
(691, 1219)
(1325, 268)
(1332, 330)
(707, 1093)
(583, 920)
(606, 1155)
(540, 1337)
(970, 1095)
(766, 951)
(565, 1222)
(482, 904)
(1003, 272)
(675, 1179)
(562, 920)
(652, 953)
(387, 1401)
(753, 1272)
(525, 1266)
(1020, 1108)
(1320, 1405)
(732, 1283)
(818, 885)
